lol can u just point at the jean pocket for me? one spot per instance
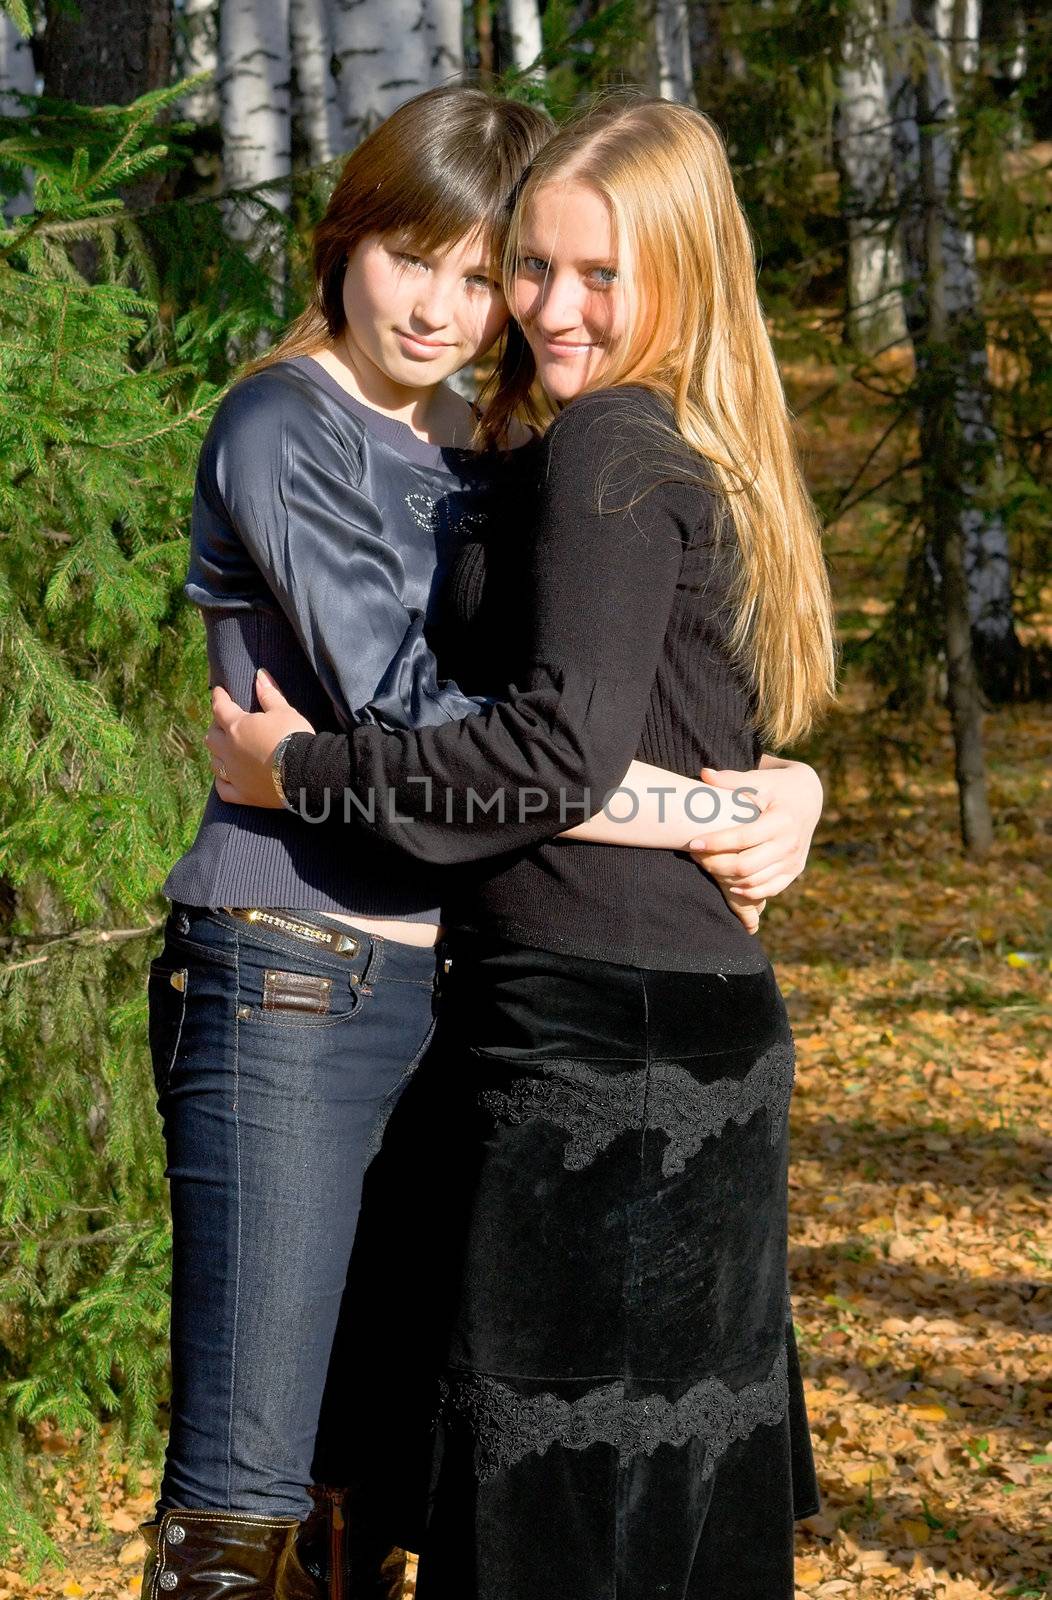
(166, 995)
(298, 996)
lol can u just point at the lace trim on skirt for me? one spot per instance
(508, 1426)
(594, 1108)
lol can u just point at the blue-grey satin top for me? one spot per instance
(320, 535)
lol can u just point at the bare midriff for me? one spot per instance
(418, 933)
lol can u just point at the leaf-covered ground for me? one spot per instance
(920, 1244)
(920, 1238)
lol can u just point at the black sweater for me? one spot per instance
(608, 615)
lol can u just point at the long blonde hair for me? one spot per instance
(696, 334)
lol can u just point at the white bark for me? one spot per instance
(863, 131)
(444, 40)
(197, 50)
(520, 31)
(957, 26)
(316, 106)
(672, 39)
(942, 229)
(255, 110)
(384, 59)
(17, 76)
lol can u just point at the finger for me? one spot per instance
(746, 865)
(217, 739)
(224, 710)
(722, 777)
(765, 890)
(269, 695)
(750, 915)
(755, 790)
(742, 837)
(729, 870)
(229, 792)
(747, 916)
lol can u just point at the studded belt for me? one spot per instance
(338, 944)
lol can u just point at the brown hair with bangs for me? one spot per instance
(441, 167)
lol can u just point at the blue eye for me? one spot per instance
(606, 275)
(411, 261)
(478, 280)
(532, 264)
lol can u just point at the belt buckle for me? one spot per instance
(340, 944)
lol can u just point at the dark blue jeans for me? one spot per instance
(277, 1065)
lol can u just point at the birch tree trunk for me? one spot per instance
(444, 36)
(381, 47)
(944, 440)
(255, 111)
(520, 34)
(18, 75)
(315, 106)
(875, 316)
(934, 232)
(197, 50)
(672, 42)
(958, 25)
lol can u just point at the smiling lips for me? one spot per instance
(416, 343)
(568, 346)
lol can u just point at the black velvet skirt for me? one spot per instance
(600, 1227)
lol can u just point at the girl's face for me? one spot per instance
(569, 296)
(418, 318)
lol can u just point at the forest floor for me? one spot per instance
(920, 1246)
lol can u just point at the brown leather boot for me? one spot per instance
(352, 1566)
(225, 1555)
(149, 1531)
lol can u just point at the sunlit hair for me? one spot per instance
(440, 169)
(695, 333)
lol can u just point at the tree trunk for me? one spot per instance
(520, 35)
(315, 105)
(255, 109)
(107, 52)
(958, 23)
(672, 40)
(484, 38)
(985, 542)
(18, 75)
(197, 50)
(380, 47)
(1004, 38)
(875, 317)
(444, 40)
(944, 449)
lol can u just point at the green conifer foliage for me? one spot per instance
(103, 772)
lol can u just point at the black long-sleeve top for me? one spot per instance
(608, 614)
